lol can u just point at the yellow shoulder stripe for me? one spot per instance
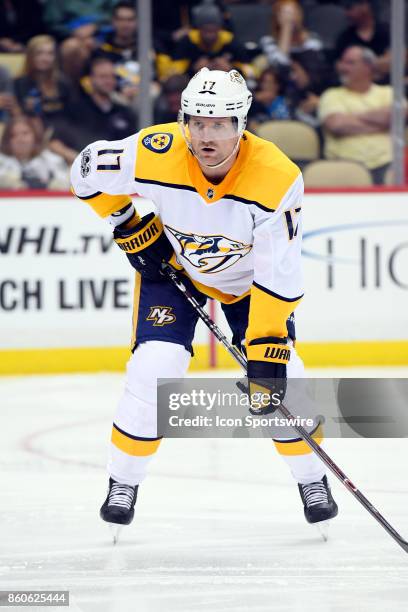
(268, 174)
(261, 174)
(169, 167)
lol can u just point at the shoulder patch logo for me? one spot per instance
(160, 142)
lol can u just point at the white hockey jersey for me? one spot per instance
(237, 237)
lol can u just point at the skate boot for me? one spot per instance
(318, 502)
(118, 507)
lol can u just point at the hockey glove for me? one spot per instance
(266, 372)
(145, 244)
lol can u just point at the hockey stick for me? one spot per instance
(174, 277)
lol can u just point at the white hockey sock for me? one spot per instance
(136, 414)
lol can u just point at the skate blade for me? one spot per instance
(115, 531)
(323, 529)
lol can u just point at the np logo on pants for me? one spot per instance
(161, 315)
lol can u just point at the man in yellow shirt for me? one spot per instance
(356, 117)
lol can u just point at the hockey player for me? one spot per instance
(229, 213)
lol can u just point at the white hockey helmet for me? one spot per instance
(215, 93)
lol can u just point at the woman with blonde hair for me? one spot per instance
(298, 56)
(41, 90)
(25, 163)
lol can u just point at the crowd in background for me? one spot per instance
(69, 74)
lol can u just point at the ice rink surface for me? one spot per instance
(219, 524)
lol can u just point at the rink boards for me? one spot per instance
(66, 290)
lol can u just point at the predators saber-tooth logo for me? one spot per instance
(210, 253)
(161, 315)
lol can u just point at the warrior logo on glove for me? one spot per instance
(142, 239)
(145, 244)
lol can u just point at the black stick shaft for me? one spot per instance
(334, 468)
(174, 277)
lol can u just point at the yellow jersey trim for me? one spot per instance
(105, 204)
(268, 314)
(268, 175)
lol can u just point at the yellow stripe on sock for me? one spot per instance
(298, 447)
(134, 447)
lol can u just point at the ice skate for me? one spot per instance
(319, 505)
(118, 507)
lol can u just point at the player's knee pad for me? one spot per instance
(156, 359)
(136, 413)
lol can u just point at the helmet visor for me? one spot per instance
(211, 129)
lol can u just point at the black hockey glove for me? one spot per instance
(146, 245)
(266, 372)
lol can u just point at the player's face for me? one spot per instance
(212, 139)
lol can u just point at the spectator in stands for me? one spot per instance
(42, 91)
(120, 46)
(20, 20)
(58, 14)
(171, 22)
(77, 49)
(8, 103)
(269, 103)
(209, 45)
(168, 103)
(94, 115)
(356, 117)
(293, 48)
(365, 31)
(25, 163)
